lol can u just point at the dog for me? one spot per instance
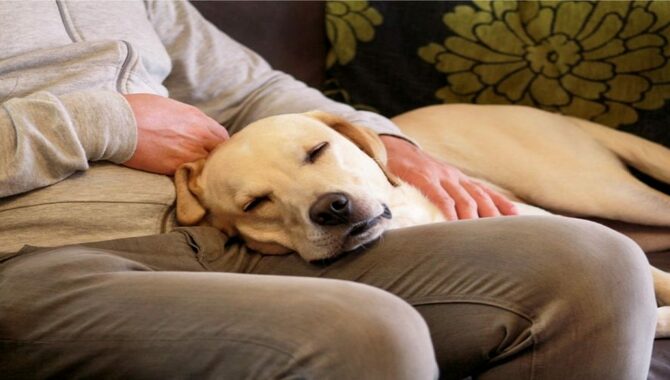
(317, 185)
(565, 165)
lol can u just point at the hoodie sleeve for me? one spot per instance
(45, 138)
(231, 83)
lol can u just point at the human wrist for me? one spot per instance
(104, 122)
(395, 143)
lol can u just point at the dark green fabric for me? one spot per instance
(606, 61)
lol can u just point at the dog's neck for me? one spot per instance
(410, 207)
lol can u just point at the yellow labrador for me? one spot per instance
(562, 164)
(316, 185)
(310, 183)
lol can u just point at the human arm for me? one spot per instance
(45, 138)
(457, 195)
(236, 86)
(231, 83)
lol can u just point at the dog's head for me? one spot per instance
(311, 183)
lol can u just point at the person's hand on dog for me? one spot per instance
(170, 133)
(457, 195)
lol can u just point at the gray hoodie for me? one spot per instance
(64, 126)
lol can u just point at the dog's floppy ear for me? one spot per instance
(364, 138)
(189, 209)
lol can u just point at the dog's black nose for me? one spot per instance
(331, 209)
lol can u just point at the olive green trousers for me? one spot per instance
(499, 298)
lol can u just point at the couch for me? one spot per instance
(607, 62)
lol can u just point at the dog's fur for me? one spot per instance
(270, 162)
(267, 184)
(566, 165)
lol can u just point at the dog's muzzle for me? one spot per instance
(363, 226)
(331, 209)
(334, 209)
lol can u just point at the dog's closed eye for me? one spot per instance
(255, 202)
(314, 153)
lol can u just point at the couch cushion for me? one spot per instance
(603, 61)
(660, 361)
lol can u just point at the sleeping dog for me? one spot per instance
(566, 165)
(317, 185)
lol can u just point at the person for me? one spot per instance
(101, 101)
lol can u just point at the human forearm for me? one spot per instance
(45, 138)
(278, 93)
(231, 83)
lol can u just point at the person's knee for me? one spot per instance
(379, 337)
(600, 276)
(594, 257)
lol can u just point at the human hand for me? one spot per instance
(170, 133)
(457, 195)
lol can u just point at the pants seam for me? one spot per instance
(192, 242)
(469, 299)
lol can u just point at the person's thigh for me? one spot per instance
(521, 297)
(83, 312)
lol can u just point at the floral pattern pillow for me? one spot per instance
(606, 61)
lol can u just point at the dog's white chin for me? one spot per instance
(344, 244)
(354, 242)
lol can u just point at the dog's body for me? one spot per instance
(317, 185)
(566, 165)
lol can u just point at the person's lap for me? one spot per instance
(79, 311)
(501, 289)
(502, 297)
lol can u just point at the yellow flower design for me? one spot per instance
(348, 22)
(600, 60)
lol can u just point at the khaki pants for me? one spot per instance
(501, 298)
